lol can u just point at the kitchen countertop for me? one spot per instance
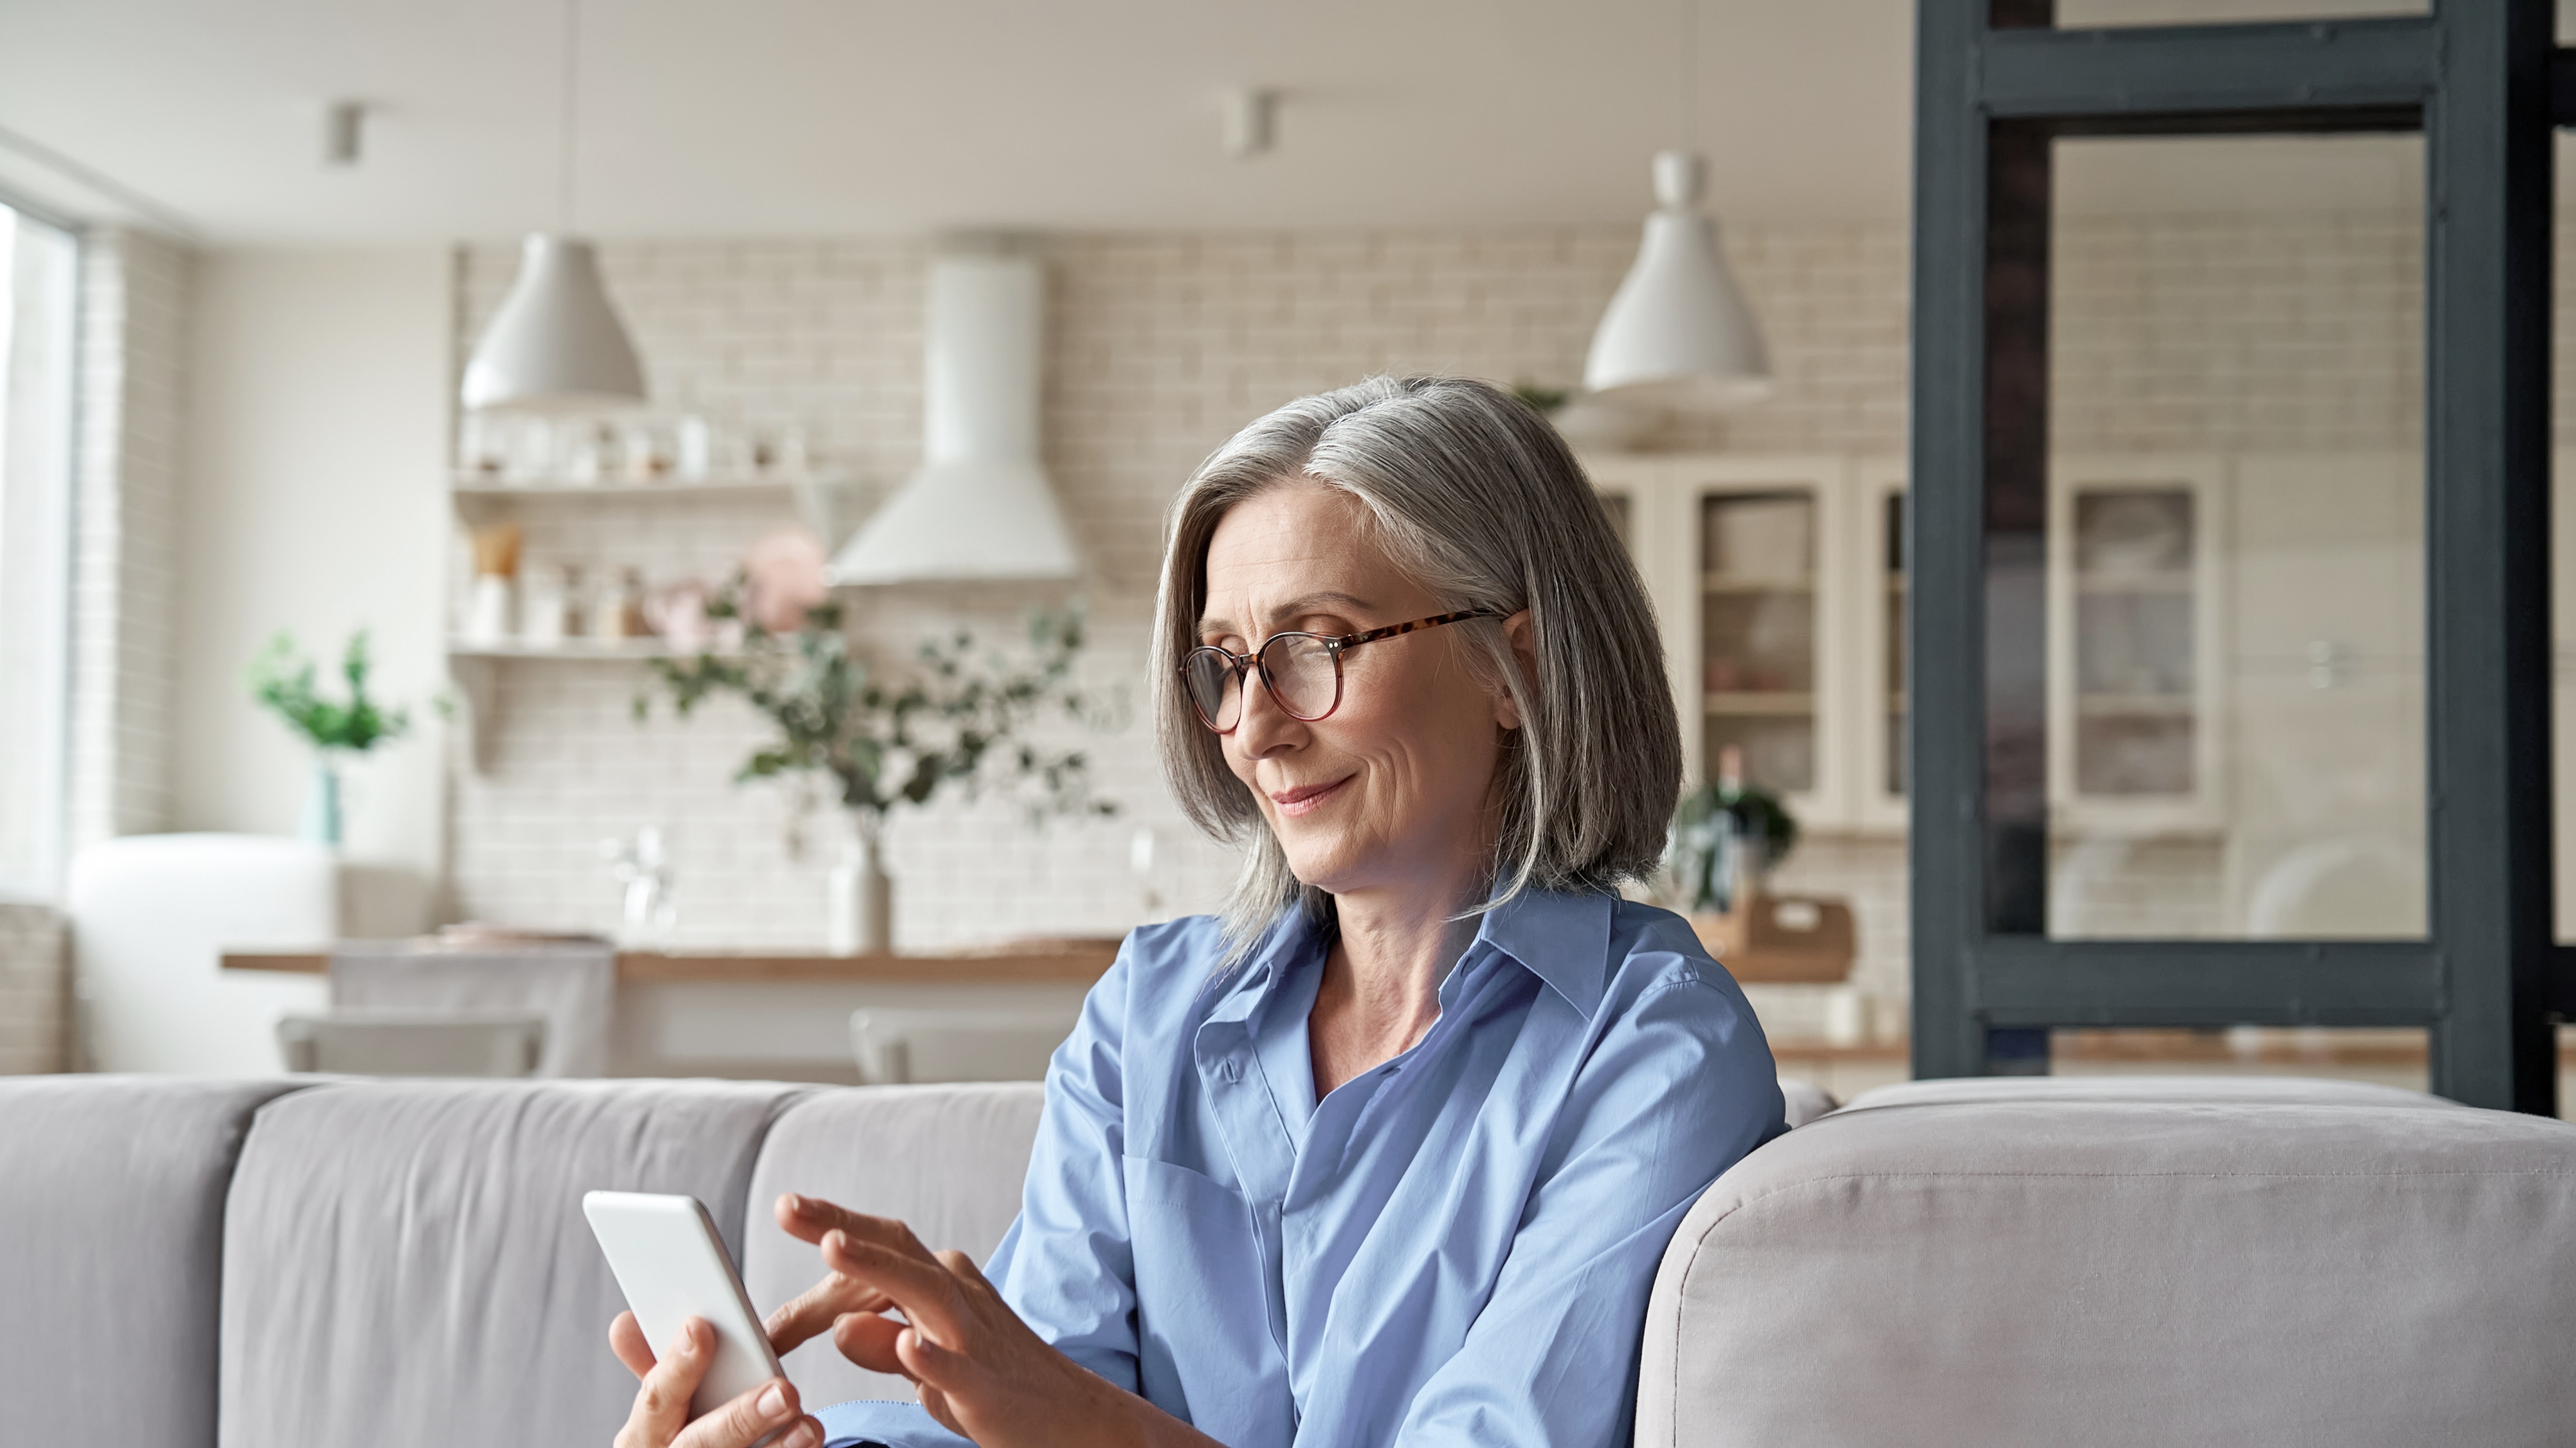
(1077, 962)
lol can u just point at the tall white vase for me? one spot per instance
(858, 901)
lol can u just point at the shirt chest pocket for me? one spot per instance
(1203, 1308)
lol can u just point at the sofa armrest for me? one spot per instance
(2111, 1271)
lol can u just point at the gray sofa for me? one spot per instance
(316, 1264)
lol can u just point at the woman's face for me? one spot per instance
(1389, 792)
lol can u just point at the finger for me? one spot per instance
(867, 1338)
(626, 1339)
(935, 1403)
(960, 1265)
(814, 1310)
(811, 1219)
(925, 1291)
(926, 1362)
(662, 1402)
(746, 1419)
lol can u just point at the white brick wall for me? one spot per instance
(33, 965)
(2174, 333)
(134, 295)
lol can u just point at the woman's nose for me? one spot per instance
(1265, 728)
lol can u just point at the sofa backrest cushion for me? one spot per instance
(407, 1262)
(2249, 1090)
(2125, 1272)
(111, 1253)
(948, 1160)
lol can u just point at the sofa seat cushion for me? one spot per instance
(2107, 1272)
(111, 1253)
(407, 1262)
(949, 1160)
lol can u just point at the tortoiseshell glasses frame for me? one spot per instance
(1292, 667)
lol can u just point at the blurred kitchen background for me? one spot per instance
(257, 245)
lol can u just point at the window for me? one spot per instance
(38, 263)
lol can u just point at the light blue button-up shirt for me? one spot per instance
(1452, 1248)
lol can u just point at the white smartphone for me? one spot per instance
(672, 1266)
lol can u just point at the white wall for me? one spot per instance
(314, 502)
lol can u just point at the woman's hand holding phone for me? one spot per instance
(660, 1417)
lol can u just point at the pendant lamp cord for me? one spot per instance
(1690, 74)
(570, 129)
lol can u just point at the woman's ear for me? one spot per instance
(1523, 638)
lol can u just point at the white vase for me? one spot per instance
(858, 901)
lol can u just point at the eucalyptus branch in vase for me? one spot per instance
(956, 722)
(286, 683)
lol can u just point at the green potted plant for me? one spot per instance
(284, 682)
(1727, 837)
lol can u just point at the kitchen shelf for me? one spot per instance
(486, 485)
(2135, 583)
(1737, 583)
(475, 668)
(2167, 706)
(577, 650)
(819, 498)
(1766, 703)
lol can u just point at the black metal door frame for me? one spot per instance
(1995, 82)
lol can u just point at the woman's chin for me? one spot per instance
(1325, 865)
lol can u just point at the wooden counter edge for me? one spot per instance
(640, 967)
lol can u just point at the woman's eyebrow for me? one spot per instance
(1326, 601)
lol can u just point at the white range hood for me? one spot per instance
(980, 507)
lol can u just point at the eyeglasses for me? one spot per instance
(1302, 671)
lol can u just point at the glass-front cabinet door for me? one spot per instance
(1746, 560)
(2136, 643)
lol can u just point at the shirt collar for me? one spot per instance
(1563, 939)
(1294, 939)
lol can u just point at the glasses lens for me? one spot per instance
(1299, 670)
(1214, 686)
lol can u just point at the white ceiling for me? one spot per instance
(782, 117)
(856, 116)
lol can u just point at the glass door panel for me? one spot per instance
(2233, 540)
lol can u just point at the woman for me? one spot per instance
(1390, 1151)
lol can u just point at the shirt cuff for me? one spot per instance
(892, 1424)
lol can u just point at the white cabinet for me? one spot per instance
(1749, 561)
(2137, 644)
(1781, 585)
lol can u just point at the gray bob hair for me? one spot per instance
(1475, 495)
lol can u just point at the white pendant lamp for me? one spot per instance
(555, 344)
(979, 507)
(1677, 333)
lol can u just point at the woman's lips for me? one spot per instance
(1306, 798)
